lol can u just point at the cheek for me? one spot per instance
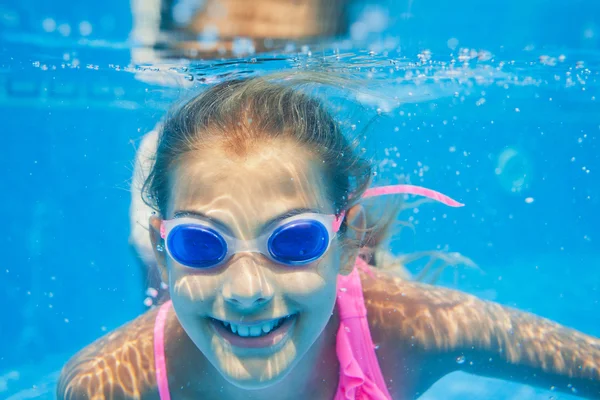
(310, 285)
(314, 284)
(187, 287)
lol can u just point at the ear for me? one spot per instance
(159, 243)
(356, 226)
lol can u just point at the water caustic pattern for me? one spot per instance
(116, 373)
(460, 89)
(515, 132)
(417, 321)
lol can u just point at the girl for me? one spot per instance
(258, 229)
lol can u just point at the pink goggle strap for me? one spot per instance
(401, 189)
(382, 191)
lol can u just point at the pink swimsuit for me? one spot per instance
(360, 375)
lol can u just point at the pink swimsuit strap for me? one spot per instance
(360, 374)
(160, 364)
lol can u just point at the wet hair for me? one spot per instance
(239, 115)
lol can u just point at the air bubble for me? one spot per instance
(64, 29)
(461, 359)
(85, 28)
(49, 25)
(452, 43)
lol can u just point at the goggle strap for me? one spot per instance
(337, 222)
(400, 189)
(414, 190)
(382, 191)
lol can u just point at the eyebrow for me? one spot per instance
(287, 214)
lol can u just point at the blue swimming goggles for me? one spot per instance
(295, 241)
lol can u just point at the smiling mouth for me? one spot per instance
(263, 334)
(254, 330)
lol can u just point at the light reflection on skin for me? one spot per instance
(420, 329)
(243, 194)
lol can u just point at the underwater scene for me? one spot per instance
(495, 104)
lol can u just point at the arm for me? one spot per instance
(444, 330)
(117, 366)
(510, 344)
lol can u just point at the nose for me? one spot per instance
(247, 285)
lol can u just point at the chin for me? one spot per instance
(257, 374)
(256, 384)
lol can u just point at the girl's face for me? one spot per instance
(291, 305)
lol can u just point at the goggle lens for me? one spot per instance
(299, 242)
(196, 246)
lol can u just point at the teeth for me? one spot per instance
(268, 326)
(253, 330)
(243, 330)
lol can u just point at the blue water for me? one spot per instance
(69, 136)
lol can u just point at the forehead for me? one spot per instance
(269, 181)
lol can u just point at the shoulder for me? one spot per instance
(119, 365)
(408, 309)
(415, 326)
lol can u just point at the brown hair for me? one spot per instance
(243, 113)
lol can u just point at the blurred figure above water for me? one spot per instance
(217, 28)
